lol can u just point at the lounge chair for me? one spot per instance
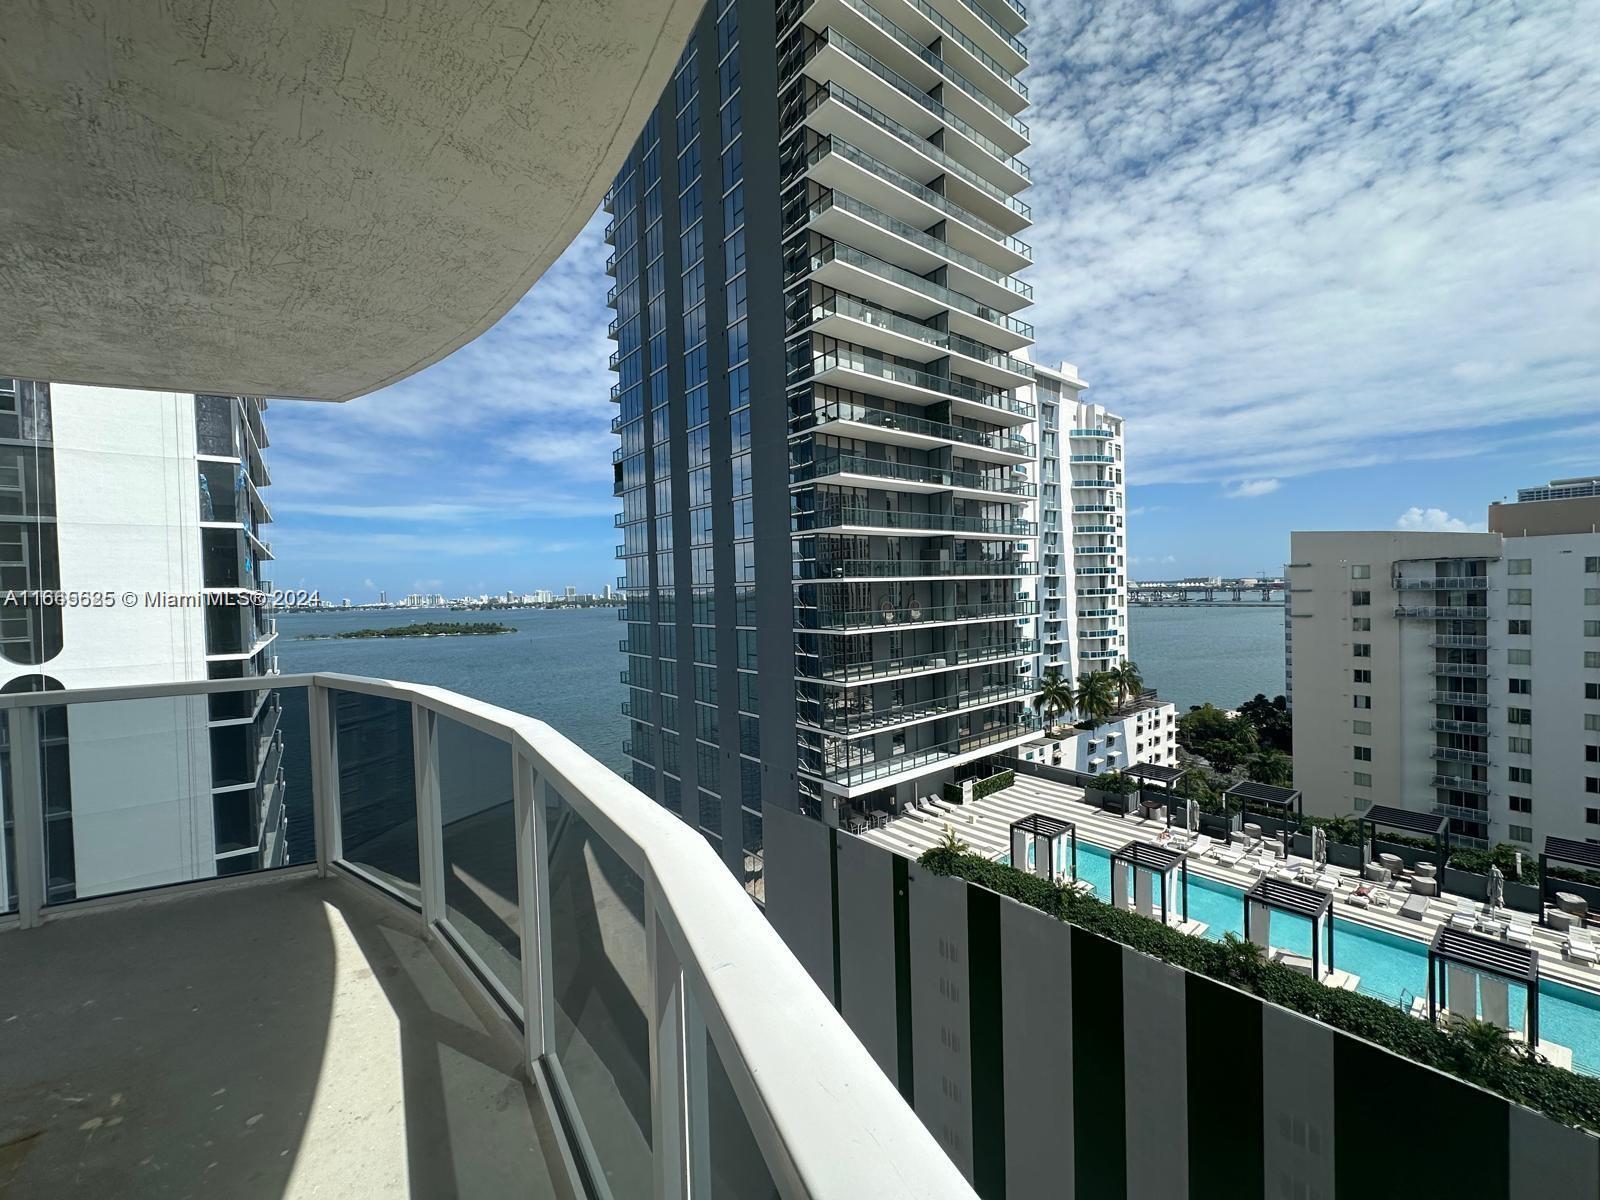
(1519, 931)
(1416, 908)
(1358, 899)
(1465, 922)
(1230, 856)
(1579, 948)
(1200, 847)
(1380, 899)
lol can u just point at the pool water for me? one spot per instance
(1391, 968)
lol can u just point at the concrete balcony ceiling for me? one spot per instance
(313, 198)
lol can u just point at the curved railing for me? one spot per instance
(598, 922)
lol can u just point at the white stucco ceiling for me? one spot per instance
(308, 198)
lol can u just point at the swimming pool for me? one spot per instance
(1391, 968)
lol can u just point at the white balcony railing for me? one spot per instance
(559, 888)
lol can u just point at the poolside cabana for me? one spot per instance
(1158, 873)
(1567, 853)
(1268, 800)
(1045, 833)
(1165, 778)
(1408, 821)
(1268, 895)
(1462, 965)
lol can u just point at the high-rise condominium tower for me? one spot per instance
(826, 472)
(1455, 673)
(142, 514)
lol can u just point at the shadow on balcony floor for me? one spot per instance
(286, 1039)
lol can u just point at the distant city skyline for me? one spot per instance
(1342, 285)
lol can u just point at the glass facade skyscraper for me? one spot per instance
(826, 473)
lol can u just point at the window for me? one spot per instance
(1519, 658)
(1591, 722)
(1520, 687)
(1592, 815)
(1591, 754)
(1361, 571)
(1361, 779)
(1519, 566)
(1522, 628)
(1591, 691)
(1361, 599)
(1361, 624)
(1362, 675)
(1361, 701)
(1519, 716)
(1591, 566)
(1591, 595)
(1520, 804)
(1520, 745)
(1520, 774)
(1362, 649)
(1364, 802)
(1591, 658)
(1520, 833)
(1591, 629)
(1592, 785)
(1519, 595)
(1361, 727)
(1363, 753)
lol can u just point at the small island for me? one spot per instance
(419, 629)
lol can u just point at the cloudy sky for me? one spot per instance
(1339, 265)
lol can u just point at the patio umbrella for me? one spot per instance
(1192, 817)
(1497, 888)
(1319, 846)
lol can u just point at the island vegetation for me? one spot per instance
(420, 629)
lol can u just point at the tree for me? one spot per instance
(1097, 697)
(1271, 766)
(1128, 680)
(1271, 720)
(1223, 741)
(1055, 696)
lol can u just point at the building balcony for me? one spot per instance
(851, 320)
(1098, 655)
(1451, 754)
(1476, 699)
(854, 368)
(1437, 613)
(1094, 550)
(1474, 583)
(986, 28)
(876, 424)
(1103, 569)
(1087, 529)
(887, 568)
(1475, 728)
(851, 673)
(1458, 641)
(857, 273)
(1461, 670)
(890, 213)
(456, 871)
(1096, 508)
(927, 24)
(997, 214)
(852, 776)
(1096, 432)
(1454, 783)
(1091, 458)
(835, 517)
(856, 716)
(911, 477)
(912, 612)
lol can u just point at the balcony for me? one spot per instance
(1092, 458)
(861, 517)
(852, 320)
(1452, 754)
(889, 568)
(847, 776)
(1474, 583)
(489, 965)
(1435, 613)
(1475, 699)
(1096, 432)
(856, 715)
(1458, 641)
(922, 664)
(1475, 728)
(1461, 670)
(913, 612)
(903, 430)
(917, 478)
(1479, 787)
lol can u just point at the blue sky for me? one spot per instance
(1339, 266)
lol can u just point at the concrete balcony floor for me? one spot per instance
(283, 1038)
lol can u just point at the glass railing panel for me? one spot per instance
(8, 822)
(377, 787)
(478, 829)
(601, 988)
(150, 792)
(738, 1170)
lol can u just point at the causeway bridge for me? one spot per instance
(1200, 592)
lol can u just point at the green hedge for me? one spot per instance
(1561, 1095)
(1116, 783)
(997, 782)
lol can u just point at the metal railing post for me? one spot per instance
(27, 814)
(430, 851)
(533, 908)
(324, 776)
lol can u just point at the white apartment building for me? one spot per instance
(1456, 673)
(143, 512)
(1082, 585)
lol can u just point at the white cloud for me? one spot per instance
(1434, 520)
(1249, 489)
(1318, 235)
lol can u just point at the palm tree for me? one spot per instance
(1097, 696)
(1128, 680)
(1055, 696)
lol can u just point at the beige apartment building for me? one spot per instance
(1456, 673)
